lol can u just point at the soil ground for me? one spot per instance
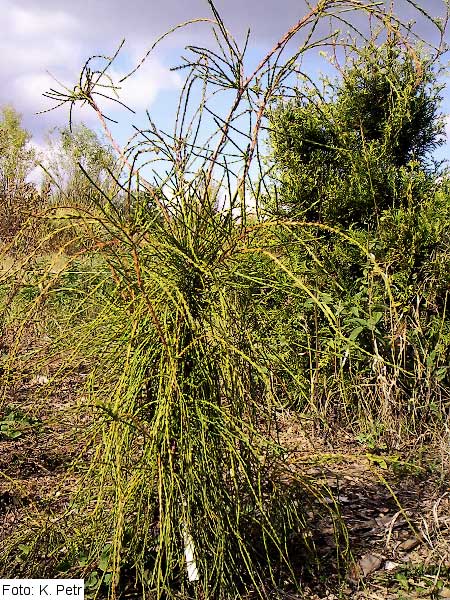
(396, 508)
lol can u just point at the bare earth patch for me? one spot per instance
(397, 511)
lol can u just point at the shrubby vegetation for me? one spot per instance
(198, 321)
(355, 162)
(17, 160)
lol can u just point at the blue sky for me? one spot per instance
(58, 36)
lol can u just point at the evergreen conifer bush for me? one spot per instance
(355, 161)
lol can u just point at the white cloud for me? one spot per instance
(140, 90)
(35, 40)
(39, 22)
(36, 55)
(30, 87)
(26, 95)
(39, 39)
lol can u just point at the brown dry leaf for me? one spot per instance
(369, 563)
(410, 544)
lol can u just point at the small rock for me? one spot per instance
(390, 565)
(369, 563)
(410, 544)
(39, 380)
(444, 593)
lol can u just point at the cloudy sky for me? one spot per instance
(53, 38)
